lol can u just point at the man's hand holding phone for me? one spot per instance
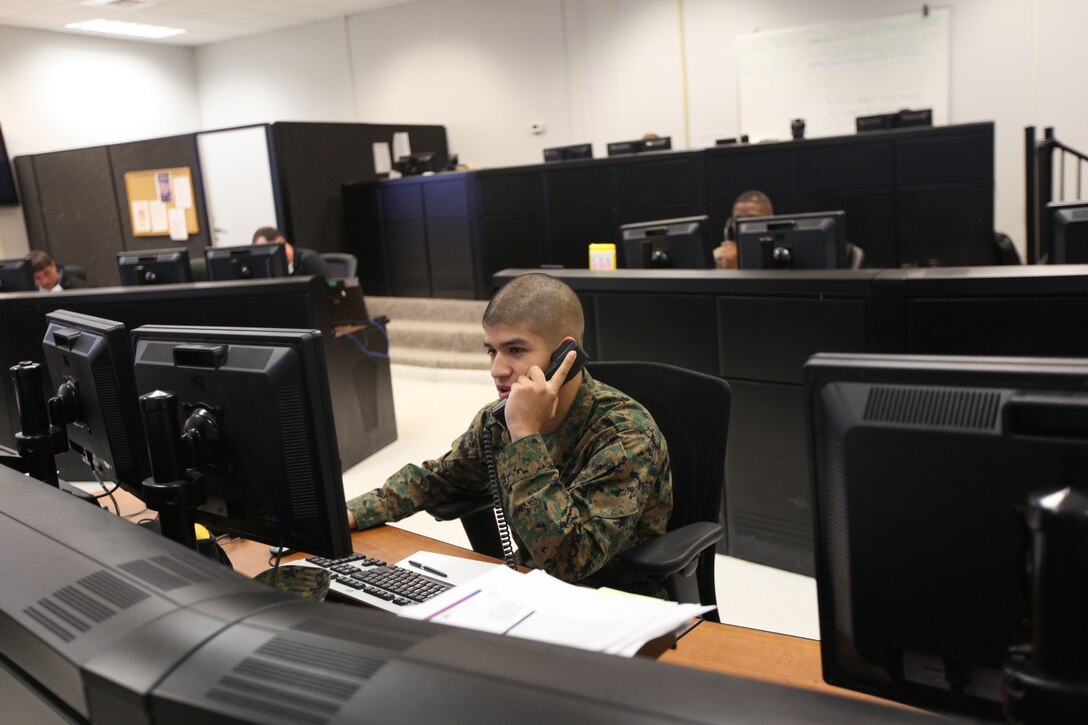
(534, 398)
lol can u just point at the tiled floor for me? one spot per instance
(434, 406)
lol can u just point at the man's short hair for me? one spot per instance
(269, 233)
(540, 302)
(755, 196)
(39, 260)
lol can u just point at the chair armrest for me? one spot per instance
(674, 550)
(460, 507)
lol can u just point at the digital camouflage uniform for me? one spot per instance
(574, 498)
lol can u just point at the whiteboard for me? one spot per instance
(237, 176)
(830, 74)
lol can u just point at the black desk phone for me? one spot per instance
(499, 411)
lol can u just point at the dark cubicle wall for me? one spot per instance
(915, 197)
(314, 160)
(76, 206)
(360, 385)
(71, 209)
(912, 197)
(756, 329)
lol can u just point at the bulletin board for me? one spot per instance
(161, 203)
(830, 74)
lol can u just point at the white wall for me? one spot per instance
(61, 91)
(298, 74)
(486, 69)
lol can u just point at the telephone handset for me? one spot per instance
(499, 411)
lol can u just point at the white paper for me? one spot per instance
(382, 162)
(158, 217)
(401, 147)
(141, 217)
(183, 192)
(540, 607)
(179, 229)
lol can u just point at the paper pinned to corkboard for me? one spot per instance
(153, 193)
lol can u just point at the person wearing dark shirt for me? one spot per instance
(49, 276)
(300, 261)
(748, 204)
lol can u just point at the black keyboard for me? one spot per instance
(370, 581)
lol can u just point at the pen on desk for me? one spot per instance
(428, 569)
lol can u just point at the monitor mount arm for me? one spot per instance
(172, 490)
(38, 441)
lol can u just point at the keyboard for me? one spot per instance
(361, 579)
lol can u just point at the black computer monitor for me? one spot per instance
(682, 243)
(793, 241)
(253, 261)
(257, 407)
(921, 466)
(17, 275)
(660, 143)
(90, 366)
(154, 266)
(1068, 243)
(418, 163)
(8, 194)
(568, 153)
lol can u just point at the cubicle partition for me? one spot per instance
(360, 386)
(756, 330)
(921, 197)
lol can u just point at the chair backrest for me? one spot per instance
(341, 265)
(691, 410)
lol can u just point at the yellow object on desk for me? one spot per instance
(602, 256)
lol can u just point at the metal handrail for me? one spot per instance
(1040, 183)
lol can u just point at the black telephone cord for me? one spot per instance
(496, 501)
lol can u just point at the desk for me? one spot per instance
(722, 648)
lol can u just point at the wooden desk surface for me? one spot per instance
(724, 648)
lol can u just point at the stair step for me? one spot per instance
(437, 335)
(438, 358)
(427, 308)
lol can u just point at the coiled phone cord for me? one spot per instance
(496, 501)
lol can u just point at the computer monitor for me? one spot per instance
(17, 275)
(568, 153)
(921, 467)
(256, 414)
(793, 241)
(905, 118)
(418, 163)
(253, 261)
(8, 194)
(94, 395)
(660, 143)
(1068, 243)
(682, 243)
(154, 266)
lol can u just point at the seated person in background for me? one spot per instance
(299, 261)
(748, 204)
(49, 276)
(582, 468)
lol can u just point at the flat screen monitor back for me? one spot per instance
(90, 366)
(793, 241)
(272, 467)
(255, 261)
(921, 465)
(1068, 242)
(682, 243)
(16, 275)
(154, 266)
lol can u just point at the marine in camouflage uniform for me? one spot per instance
(575, 497)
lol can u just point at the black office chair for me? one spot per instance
(341, 265)
(692, 411)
